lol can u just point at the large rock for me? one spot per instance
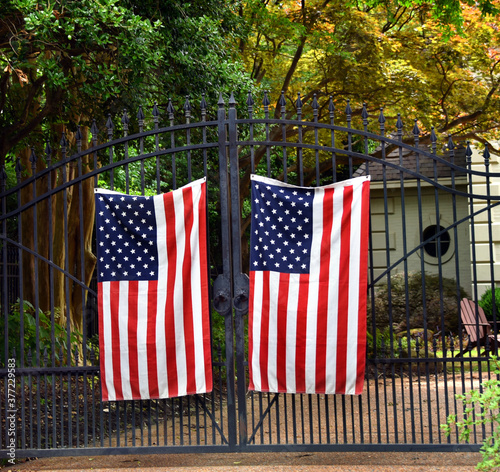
(401, 304)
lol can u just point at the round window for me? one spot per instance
(436, 245)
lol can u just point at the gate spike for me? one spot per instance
(364, 114)
(170, 109)
(381, 117)
(140, 114)
(315, 104)
(203, 104)
(282, 100)
(298, 104)
(187, 108)
(221, 100)
(348, 110)
(399, 124)
(250, 101)
(416, 131)
(433, 135)
(94, 130)
(3, 178)
(486, 155)
(451, 144)
(156, 112)
(232, 101)
(33, 160)
(18, 169)
(468, 153)
(64, 141)
(48, 153)
(109, 123)
(78, 134)
(265, 100)
(331, 107)
(125, 118)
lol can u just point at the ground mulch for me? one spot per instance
(253, 462)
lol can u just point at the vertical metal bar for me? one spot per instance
(282, 102)
(315, 107)
(266, 103)
(18, 169)
(226, 291)
(140, 120)
(331, 110)
(348, 113)
(298, 106)
(486, 155)
(125, 122)
(240, 280)
(5, 302)
(170, 111)
(156, 117)
(110, 126)
(187, 112)
(33, 160)
(250, 104)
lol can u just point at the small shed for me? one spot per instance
(407, 211)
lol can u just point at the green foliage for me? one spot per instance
(482, 409)
(486, 303)
(46, 344)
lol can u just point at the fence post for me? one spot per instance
(222, 289)
(240, 280)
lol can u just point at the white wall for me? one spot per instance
(481, 227)
(459, 239)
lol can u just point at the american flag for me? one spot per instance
(308, 282)
(154, 328)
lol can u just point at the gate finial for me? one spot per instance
(18, 169)
(298, 104)
(94, 130)
(140, 115)
(203, 107)
(3, 178)
(221, 101)
(48, 154)
(399, 125)
(331, 107)
(433, 140)
(33, 160)
(364, 115)
(348, 110)
(486, 155)
(416, 130)
(170, 109)
(187, 108)
(232, 101)
(468, 153)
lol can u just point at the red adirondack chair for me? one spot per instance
(477, 326)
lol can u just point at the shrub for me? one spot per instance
(44, 334)
(481, 409)
(486, 303)
(440, 298)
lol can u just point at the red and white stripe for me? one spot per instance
(307, 332)
(155, 335)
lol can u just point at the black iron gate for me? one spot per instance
(431, 245)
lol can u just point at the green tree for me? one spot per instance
(66, 62)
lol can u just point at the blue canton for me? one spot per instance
(281, 228)
(126, 238)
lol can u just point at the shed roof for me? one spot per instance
(427, 166)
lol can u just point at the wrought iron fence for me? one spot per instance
(431, 244)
